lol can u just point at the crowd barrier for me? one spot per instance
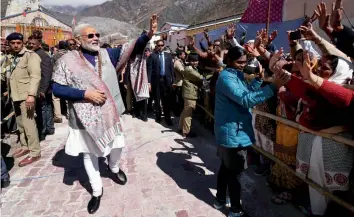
(336, 138)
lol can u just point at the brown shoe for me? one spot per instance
(20, 153)
(58, 120)
(28, 160)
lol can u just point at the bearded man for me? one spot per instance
(88, 79)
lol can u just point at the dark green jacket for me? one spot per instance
(191, 82)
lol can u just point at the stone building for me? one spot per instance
(26, 16)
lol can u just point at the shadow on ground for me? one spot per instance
(190, 175)
(74, 169)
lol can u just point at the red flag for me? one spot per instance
(257, 11)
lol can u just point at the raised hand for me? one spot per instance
(276, 63)
(323, 18)
(272, 36)
(206, 33)
(153, 25)
(230, 31)
(252, 51)
(207, 36)
(305, 67)
(191, 40)
(259, 43)
(337, 15)
(309, 33)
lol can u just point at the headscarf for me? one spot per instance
(343, 73)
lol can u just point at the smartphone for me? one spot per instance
(295, 35)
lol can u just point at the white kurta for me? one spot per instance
(80, 141)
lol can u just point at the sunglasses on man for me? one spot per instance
(92, 35)
(160, 45)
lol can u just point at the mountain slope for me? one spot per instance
(138, 12)
(66, 9)
(220, 9)
(117, 30)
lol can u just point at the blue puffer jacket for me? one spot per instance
(233, 102)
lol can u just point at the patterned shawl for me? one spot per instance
(102, 122)
(138, 72)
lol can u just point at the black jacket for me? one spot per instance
(46, 71)
(153, 68)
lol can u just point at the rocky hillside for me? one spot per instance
(66, 9)
(220, 9)
(139, 11)
(112, 30)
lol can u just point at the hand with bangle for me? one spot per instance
(306, 71)
(277, 62)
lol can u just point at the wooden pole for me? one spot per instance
(268, 16)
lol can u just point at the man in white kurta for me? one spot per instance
(93, 106)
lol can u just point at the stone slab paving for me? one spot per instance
(168, 176)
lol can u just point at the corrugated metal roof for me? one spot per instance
(176, 24)
(211, 22)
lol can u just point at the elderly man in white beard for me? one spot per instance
(87, 78)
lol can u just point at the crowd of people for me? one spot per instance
(94, 85)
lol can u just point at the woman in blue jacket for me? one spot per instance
(233, 124)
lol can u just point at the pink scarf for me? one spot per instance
(102, 122)
(138, 72)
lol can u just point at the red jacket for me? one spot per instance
(319, 111)
(337, 95)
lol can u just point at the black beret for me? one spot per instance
(193, 57)
(14, 36)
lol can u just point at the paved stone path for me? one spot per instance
(168, 176)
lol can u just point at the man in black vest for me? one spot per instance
(161, 78)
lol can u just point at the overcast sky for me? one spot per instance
(72, 2)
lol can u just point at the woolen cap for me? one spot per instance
(14, 36)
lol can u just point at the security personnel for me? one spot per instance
(24, 74)
(191, 83)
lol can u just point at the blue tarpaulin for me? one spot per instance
(252, 28)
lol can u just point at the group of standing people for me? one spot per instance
(99, 84)
(26, 75)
